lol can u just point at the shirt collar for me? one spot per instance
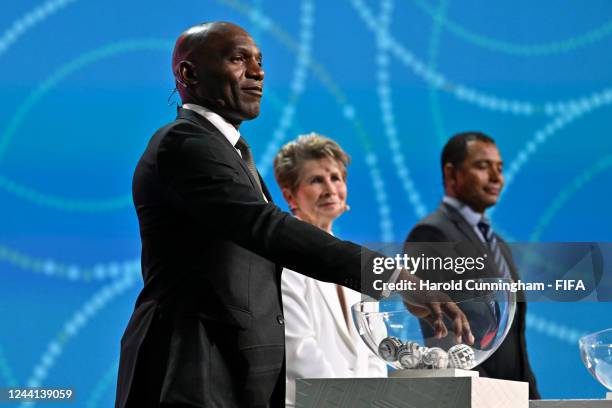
(472, 217)
(227, 129)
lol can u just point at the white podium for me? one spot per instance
(424, 390)
(449, 388)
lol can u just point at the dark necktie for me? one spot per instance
(247, 156)
(489, 236)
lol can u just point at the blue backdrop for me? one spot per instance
(84, 84)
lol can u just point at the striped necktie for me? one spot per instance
(487, 232)
(247, 156)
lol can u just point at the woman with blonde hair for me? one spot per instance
(321, 339)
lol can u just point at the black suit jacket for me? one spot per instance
(510, 361)
(207, 329)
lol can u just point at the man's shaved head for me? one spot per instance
(218, 65)
(198, 38)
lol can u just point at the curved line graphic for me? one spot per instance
(72, 327)
(63, 203)
(29, 20)
(543, 135)
(56, 269)
(297, 86)
(471, 95)
(566, 193)
(555, 330)
(100, 390)
(5, 370)
(74, 65)
(434, 48)
(19, 116)
(518, 50)
(385, 93)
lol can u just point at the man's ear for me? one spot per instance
(449, 174)
(289, 198)
(187, 74)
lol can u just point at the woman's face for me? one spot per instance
(320, 196)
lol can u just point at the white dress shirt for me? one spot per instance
(469, 215)
(227, 129)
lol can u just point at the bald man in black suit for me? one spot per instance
(208, 326)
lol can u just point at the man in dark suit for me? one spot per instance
(207, 329)
(473, 180)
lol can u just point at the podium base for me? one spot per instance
(439, 392)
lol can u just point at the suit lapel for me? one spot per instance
(507, 254)
(332, 301)
(462, 225)
(467, 230)
(201, 121)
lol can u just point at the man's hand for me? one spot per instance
(433, 306)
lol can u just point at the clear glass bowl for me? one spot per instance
(596, 354)
(407, 342)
